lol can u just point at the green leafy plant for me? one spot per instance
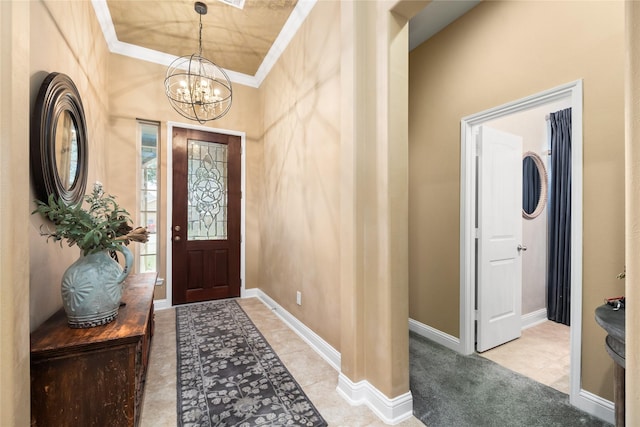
(101, 225)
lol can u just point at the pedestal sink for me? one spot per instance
(612, 321)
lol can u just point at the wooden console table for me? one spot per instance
(94, 376)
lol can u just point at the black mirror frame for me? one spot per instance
(57, 94)
(542, 200)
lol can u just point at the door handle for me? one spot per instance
(522, 248)
(177, 238)
(177, 228)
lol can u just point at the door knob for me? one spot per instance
(177, 228)
(177, 238)
(522, 248)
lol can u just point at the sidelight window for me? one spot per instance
(149, 135)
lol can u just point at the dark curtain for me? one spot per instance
(559, 272)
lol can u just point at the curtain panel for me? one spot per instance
(559, 271)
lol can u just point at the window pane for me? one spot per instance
(147, 263)
(207, 190)
(149, 134)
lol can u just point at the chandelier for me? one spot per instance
(197, 88)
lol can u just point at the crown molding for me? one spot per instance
(289, 30)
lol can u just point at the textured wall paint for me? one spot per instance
(632, 181)
(497, 53)
(66, 38)
(14, 208)
(299, 221)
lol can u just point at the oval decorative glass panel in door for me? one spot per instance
(534, 185)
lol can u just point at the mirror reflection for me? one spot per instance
(534, 185)
(66, 149)
(530, 185)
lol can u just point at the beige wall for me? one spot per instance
(65, 37)
(299, 214)
(374, 338)
(632, 208)
(14, 208)
(500, 52)
(334, 212)
(136, 91)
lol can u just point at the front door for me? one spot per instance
(499, 280)
(206, 216)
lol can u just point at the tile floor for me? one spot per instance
(316, 377)
(541, 353)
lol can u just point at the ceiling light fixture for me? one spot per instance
(197, 88)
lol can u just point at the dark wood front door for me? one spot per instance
(206, 216)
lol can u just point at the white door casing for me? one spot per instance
(500, 237)
(578, 397)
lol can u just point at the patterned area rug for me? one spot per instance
(228, 375)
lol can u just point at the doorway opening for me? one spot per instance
(206, 216)
(537, 347)
(567, 95)
(168, 211)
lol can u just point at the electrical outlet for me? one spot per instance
(299, 298)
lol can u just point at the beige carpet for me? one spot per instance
(542, 353)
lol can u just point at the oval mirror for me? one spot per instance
(66, 150)
(59, 141)
(534, 185)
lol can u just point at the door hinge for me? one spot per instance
(476, 233)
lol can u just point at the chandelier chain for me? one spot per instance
(200, 38)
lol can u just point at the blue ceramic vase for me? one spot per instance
(92, 289)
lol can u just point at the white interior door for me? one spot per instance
(499, 278)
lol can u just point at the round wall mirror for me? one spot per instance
(534, 185)
(59, 141)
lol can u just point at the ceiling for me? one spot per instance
(245, 42)
(434, 17)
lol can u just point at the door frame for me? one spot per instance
(168, 301)
(578, 397)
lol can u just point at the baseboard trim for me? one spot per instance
(323, 348)
(449, 341)
(249, 293)
(161, 304)
(534, 318)
(595, 405)
(391, 411)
